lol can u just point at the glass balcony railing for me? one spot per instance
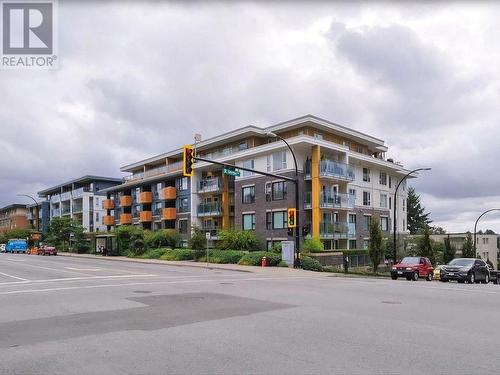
(333, 169)
(56, 212)
(328, 200)
(337, 230)
(174, 167)
(65, 211)
(209, 209)
(209, 185)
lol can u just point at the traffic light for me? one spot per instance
(292, 222)
(188, 160)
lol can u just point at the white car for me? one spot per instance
(2, 248)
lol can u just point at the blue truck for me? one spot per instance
(16, 246)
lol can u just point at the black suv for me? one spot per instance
(466, 270)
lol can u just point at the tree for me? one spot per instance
(63, 230)
(198, 241)
(468, 248)
(449, 250)
(489, 231)
(437, 230)
(375, 249)
(417, 219)
(424, 246)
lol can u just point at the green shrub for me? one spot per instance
(255, 259)
(276, 248)
(161, 238)
(313, 245)
(238, 240)
(129, 239)
(222, 256)
(283, 264)
(308, 263)
(152, 254)
(178, 254)
(198, 241)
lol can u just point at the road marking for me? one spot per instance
(14, 277)
(83, 269)
(16, 260)
(56, 269)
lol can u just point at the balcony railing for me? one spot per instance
(328, 200)
(337, 230)
(56, 212)
(209, 185)
(66, 196)
(209, 209)
(65, 211)
(174, 167)
(333, 169)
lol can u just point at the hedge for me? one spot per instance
(255, 258)
(308, 263)
(178, 254)
(222, 256)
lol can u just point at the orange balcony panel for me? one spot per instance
(126, 200)
(169, 193)
(108, 204)
(125, 218)
(109, 220)
(169, 214)
(146, 216)
(145, 197)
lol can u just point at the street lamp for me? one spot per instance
(297, 227)
(475, 224)
(37, 211)
(395, 202)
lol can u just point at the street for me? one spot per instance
(64, 315)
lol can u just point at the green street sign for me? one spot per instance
(231, 172)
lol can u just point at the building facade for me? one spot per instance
(80, 199)
(345, 181)
(13, 217)
(39, 216)
(486, 244)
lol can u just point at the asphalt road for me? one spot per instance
(61, 315)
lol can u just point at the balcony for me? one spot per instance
(337, 230)
(66, 196)
(332, 169)
(126, 201)
(78, 193)
(77, 209)
(56, 212)
(125, 219)
(108, 204)
(146, 197)
(210, 185)
(169, 214)
(65, 211)
(169, 193)
(174, 167)
(109, 220)
(339, 200)
(55, 198)
(209, 209)
(146, 216)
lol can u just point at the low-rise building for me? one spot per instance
(13, 217)
(39, 216)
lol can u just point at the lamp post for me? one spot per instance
(297, 227)
(394, 206)
(475, 224)
(36, 207)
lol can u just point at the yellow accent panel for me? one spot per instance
(126, 219)
(169, 213)
(126, 201)
(146, 197)
(226, 223)
(108, 204)
(146, 216)
(109, 220)
(315, 190)
(169, 193)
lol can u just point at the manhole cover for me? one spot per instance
(142, 291)
(392, 302)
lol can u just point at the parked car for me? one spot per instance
(16, 246)
(2, 248)
(468, 270)
(47, 250)
(494, 275)
(412, 268)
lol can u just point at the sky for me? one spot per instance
(136, 79)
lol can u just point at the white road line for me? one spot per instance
(16, 260)
(14, 277)
(56, 269)
(83, 269)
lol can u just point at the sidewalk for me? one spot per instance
(281, 271)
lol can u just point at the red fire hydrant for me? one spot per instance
(264, 262)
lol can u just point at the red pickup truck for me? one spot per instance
(47, 250)
(412, 268)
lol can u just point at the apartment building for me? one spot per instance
(345, 181)
(38, 216)
(13, 216)
(80, 199)
(486, 244)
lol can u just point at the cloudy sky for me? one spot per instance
(136, 79)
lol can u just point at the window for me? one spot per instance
(383, 178)
(279, 160)
(352, 218)
(182, 183)
(269, 220)
(352, 191)
(384, 223)
(243, 145)
(280, 219)
(183, 226)
(366, 198)
(269, 163)
(97, 202)
(360, 149)
(157, 208)
(248, 194)
(366, 174)
(383, 200)
(248, 164)
(390, 182)
(268, 190)
(248, 221)
(390, 203)
(182, 205)
(279, 190)
(485, 241)
(404, 225)
(365, 244)
(352, 244)
(404, 205)
(97, 217)
(318, 136)
(367, 220)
